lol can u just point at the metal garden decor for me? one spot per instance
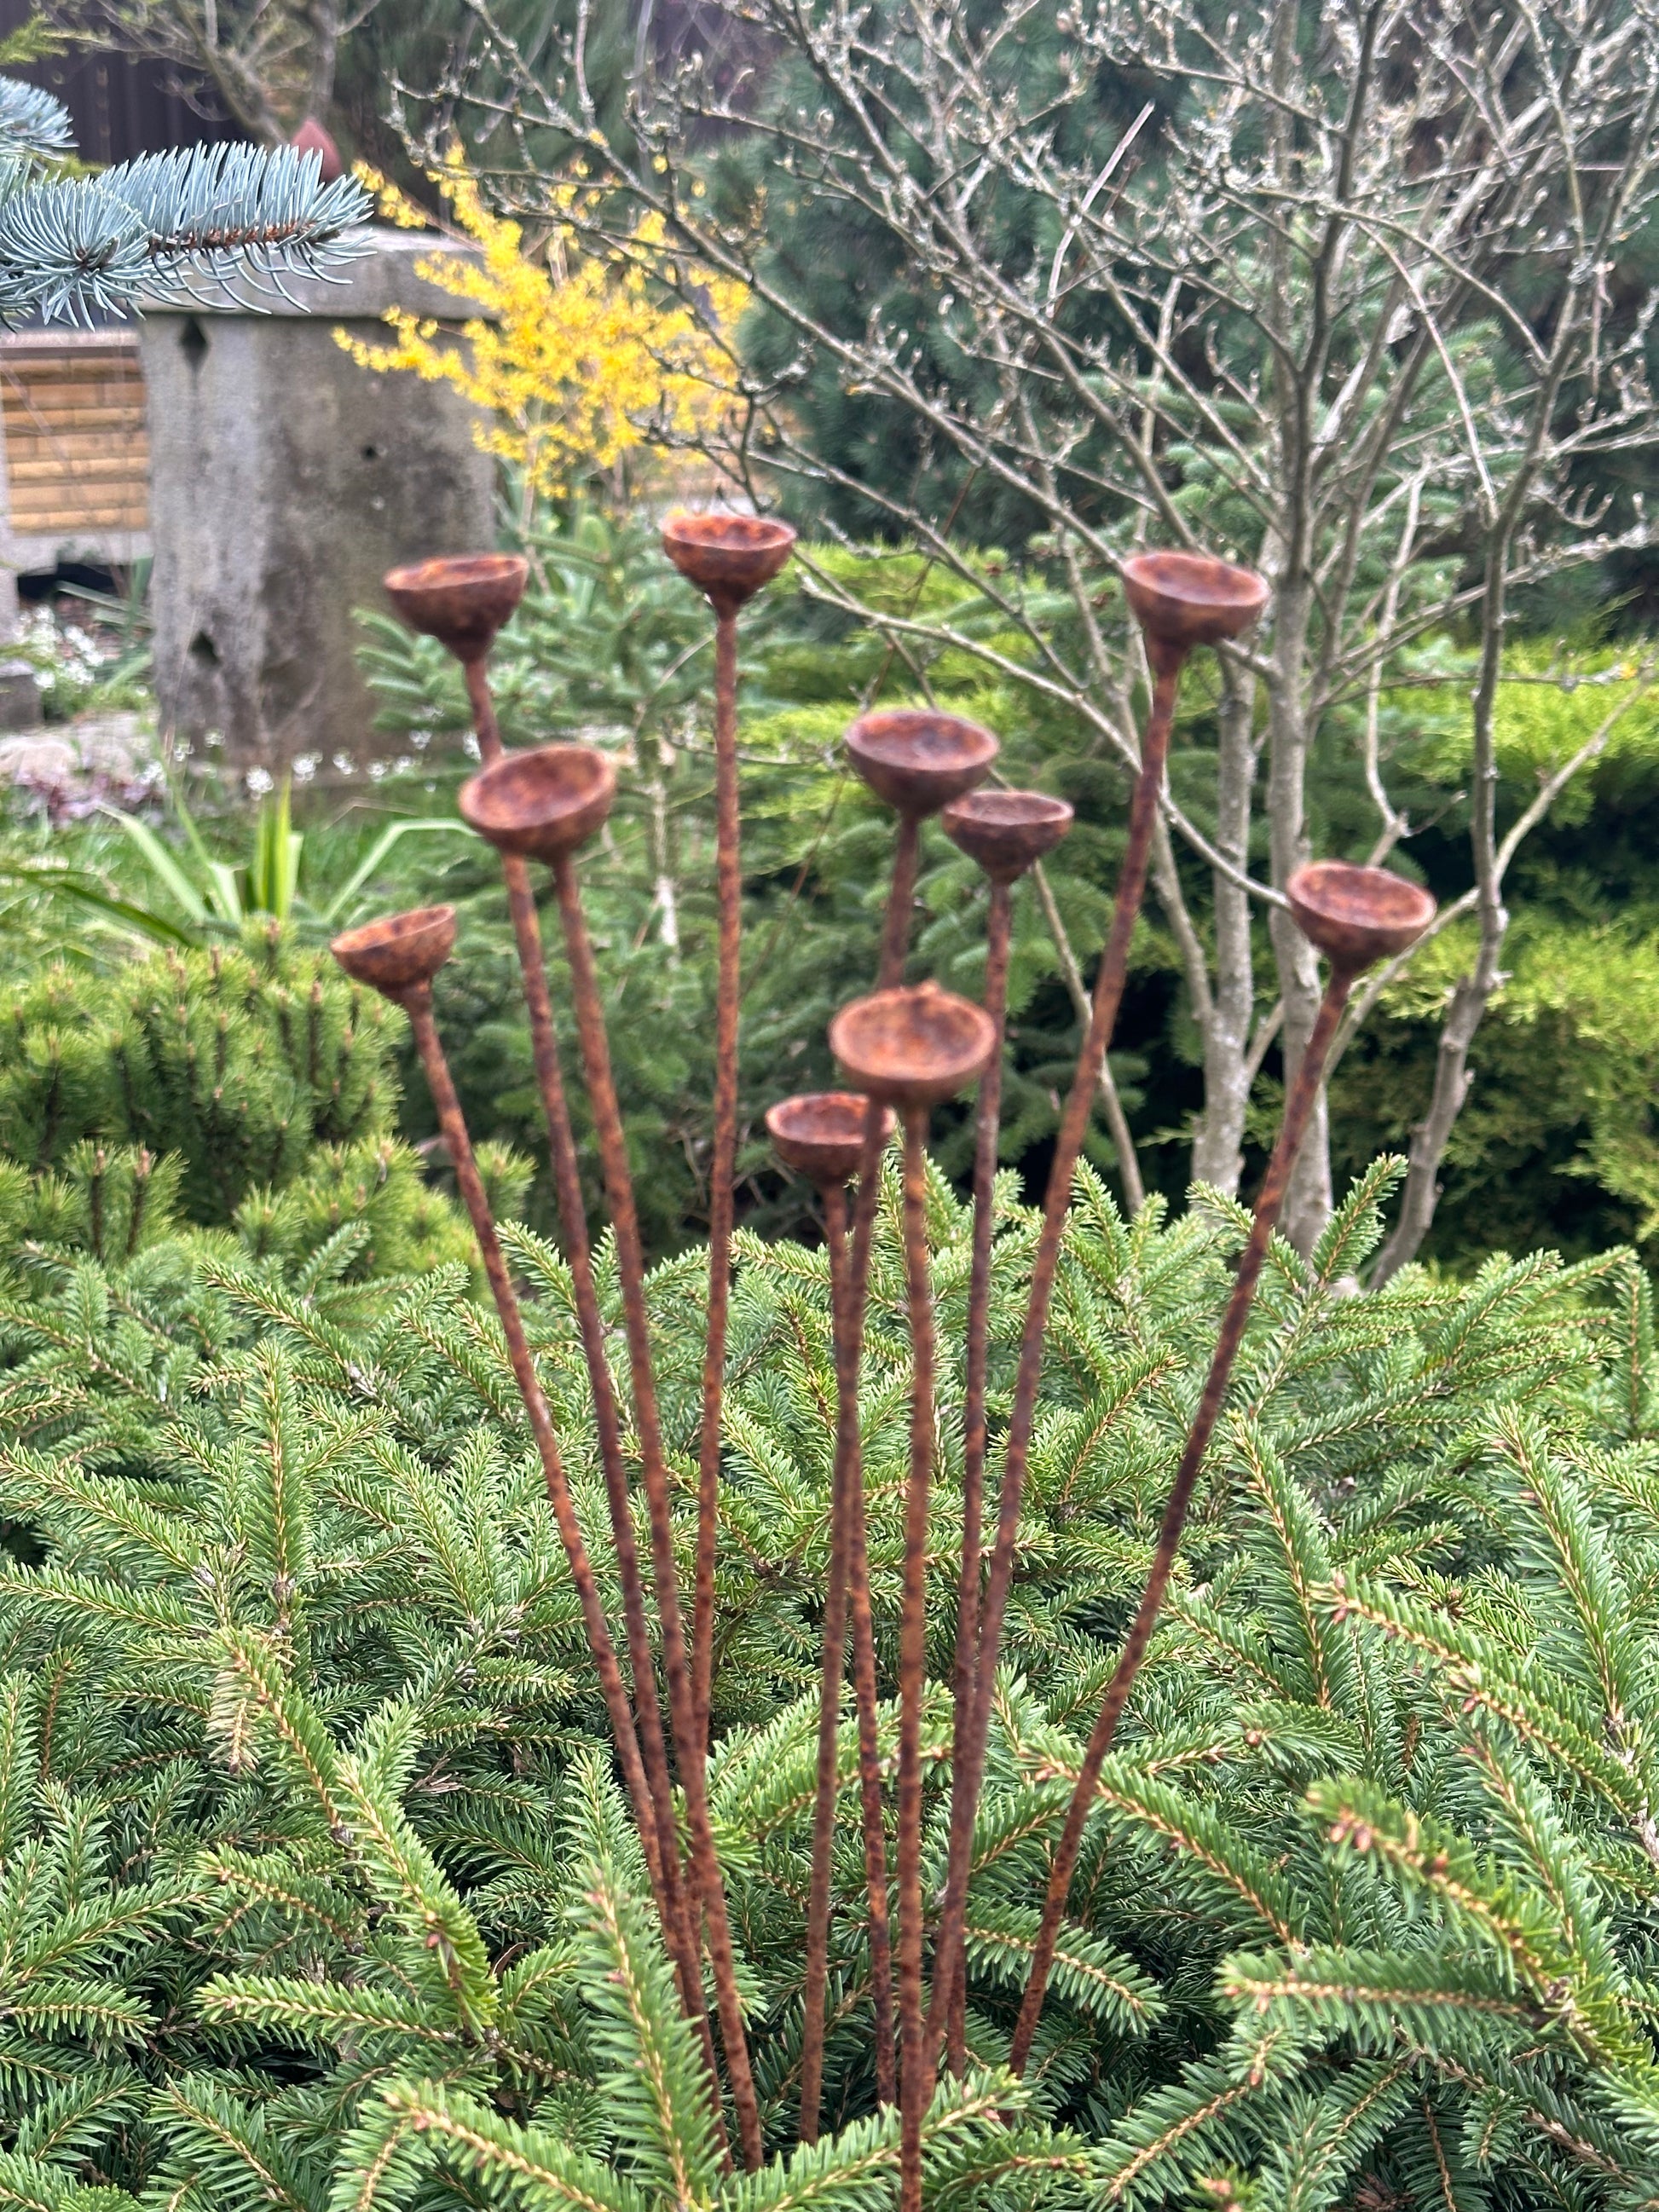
(904, 1049)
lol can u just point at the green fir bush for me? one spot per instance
(247, 1090)
(317, 1891)
(236, 1061)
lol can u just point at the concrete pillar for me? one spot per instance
(284, 480)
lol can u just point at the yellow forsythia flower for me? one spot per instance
(571, 353)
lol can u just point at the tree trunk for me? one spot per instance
(1452, 1082)
(1473, 993)
(1308, 1204)
(1217, 1143)
(1469, 1000)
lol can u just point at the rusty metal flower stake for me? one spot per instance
(1355, 917)
(1180, 600)
(544, 806)
(729, 557)
(913, 1049)
(821, 1136)
(903, 1050)
(398, 957)
(1006, 833)
(919, 762)
(465, 602)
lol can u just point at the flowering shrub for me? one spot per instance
(573, 356)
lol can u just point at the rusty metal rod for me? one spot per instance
(1180, 600)
(729, 888)
(481, 700)
(419, 1003)
(848, 1480)
(916, 2077)
(680, 1925)
(968, 1779)
(544, 1051)
(823, 1137)
(916, 1047)
(998, 936)
(630, 1263)
(866, 1695)
(826, 1776)
(900, 900)
(1298, 1108)
(729, 557)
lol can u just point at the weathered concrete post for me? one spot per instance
(285, 481)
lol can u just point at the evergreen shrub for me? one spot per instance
(249, 1088)
(316, 1889)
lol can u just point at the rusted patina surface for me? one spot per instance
(460, 600)
(1181, 600)
(918, 760)
(1358, 916)
(399, 952)
(542, 804)
(1006, 832)
(821, 1134)
(915, 1045)
(729, 557)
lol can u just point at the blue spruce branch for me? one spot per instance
(75, 248)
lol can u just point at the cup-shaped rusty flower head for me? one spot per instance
(917, 760)
(540, 803)
(461, 600)
(1358, 916)
(1006, 831)
(915, 1045)
(727, 556)
(1185, 599)
(821, 1134)
(400, 953)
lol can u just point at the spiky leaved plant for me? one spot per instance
(315, 1890)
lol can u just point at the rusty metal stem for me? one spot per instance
(418, 1003)
(588, 1007)
(848, 1481)
(729, 885)
(679, 1928)
(870, 1793)
(1298, 1108)
(900, 898)
(969, 1778)
(485, 727)
(998, 935)
(679, 1925)
(834, 1641)
(916, 2077)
